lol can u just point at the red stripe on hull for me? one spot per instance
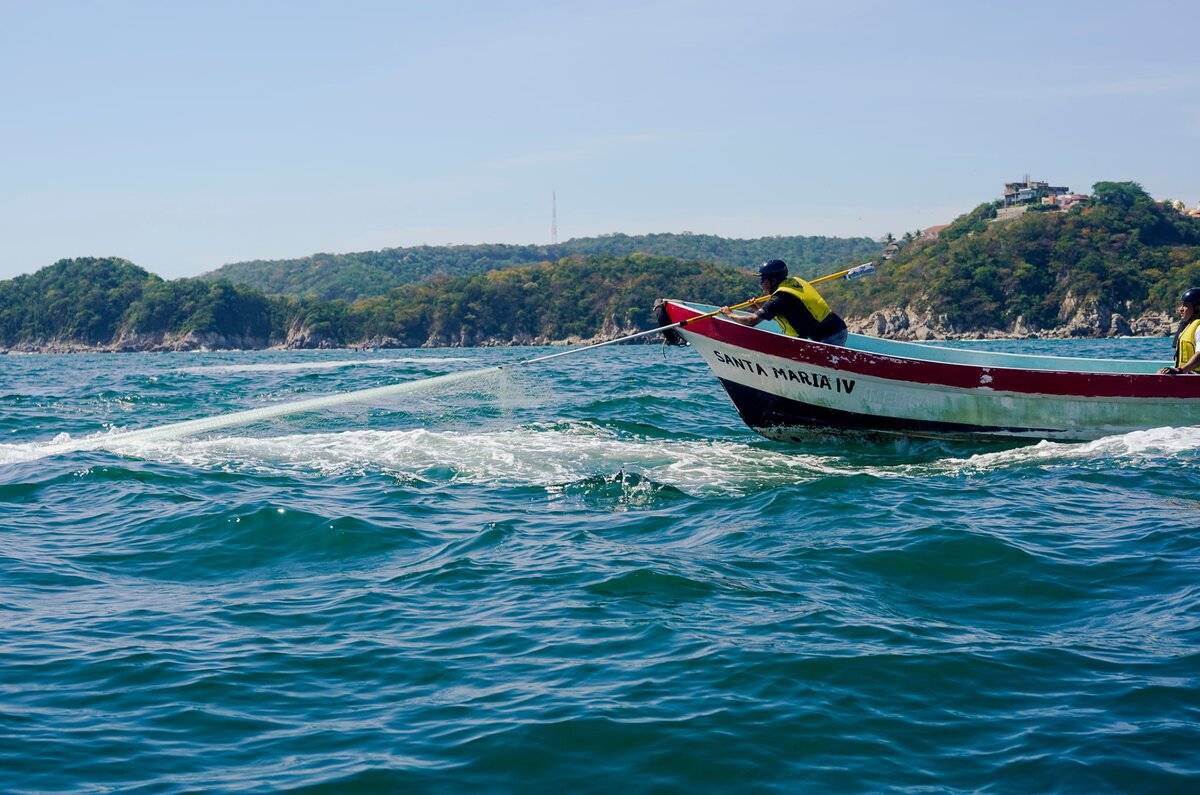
(962, 376)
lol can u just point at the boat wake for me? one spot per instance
(1128, 449)
(561, 456)
(548, 456)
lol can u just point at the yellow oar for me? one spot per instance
(858, 271)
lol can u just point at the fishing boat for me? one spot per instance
(784, 387)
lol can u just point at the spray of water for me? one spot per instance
(191, 427)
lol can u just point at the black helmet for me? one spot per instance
(773, 269)
(1191, 297)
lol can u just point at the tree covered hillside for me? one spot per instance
(352, 276)
(1123, 250)
(112, 303)
(575, 297)
(98, 300)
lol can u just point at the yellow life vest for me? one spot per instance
(808, 296)
(1185, 349)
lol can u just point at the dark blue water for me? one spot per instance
(581, 577)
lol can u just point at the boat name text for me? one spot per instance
(818, 380)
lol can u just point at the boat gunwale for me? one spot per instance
(688, 305)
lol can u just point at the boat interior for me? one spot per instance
(954, 355)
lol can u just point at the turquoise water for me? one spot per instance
(583, 576)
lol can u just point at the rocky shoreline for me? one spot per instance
(1078, 319)
(220, 342)
(298, 338)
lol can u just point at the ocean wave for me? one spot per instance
(619, 491)
(649, 583)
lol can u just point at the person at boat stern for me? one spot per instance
(795, 305)
(1187, 360)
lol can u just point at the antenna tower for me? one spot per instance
(553, 217)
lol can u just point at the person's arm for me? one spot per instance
(766, 312)
(1188, 367)
(745, 320)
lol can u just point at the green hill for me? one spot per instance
(352, 276)
(98, 301)
(576, 297)
(1122, 250)
(113, 304)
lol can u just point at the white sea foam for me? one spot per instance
(285, 367)
(538, 456)
(1130, 448)
(565, 453)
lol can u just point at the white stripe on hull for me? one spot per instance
(1027, 415)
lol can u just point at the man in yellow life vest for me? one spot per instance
(795, 305)
(1187, 359)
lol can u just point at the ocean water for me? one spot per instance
(580, 576)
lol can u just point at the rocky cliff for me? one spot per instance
(1086, 317)
(157, 342)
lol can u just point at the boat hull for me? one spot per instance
(784, 419)
(784, 387)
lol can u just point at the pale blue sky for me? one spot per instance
(186, 135)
